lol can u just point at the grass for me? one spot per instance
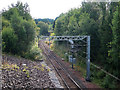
(61, 50)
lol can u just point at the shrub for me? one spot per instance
(100, 74)
(9, 40)
(108, 82)
(34, 54)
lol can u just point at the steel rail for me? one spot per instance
(60, 65)
(80, 85)
(69, 76)
(58, 72)
(56, 69)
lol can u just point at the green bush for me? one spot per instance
(19, 29)
(9, 40)
(108, 82)
(34, 54)
(100, 74)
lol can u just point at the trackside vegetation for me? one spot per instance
(101, 21)
(19, 32)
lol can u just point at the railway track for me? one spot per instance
(70, 81)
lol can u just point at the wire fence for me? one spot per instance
(105, 71)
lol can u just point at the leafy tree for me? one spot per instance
(19, 22)
(9, 40)
(43, 28)
(58, 27)
(78, 23)
(5, 23)
(102, 22)
(25, 32)
(114, 52)
(23, 10)
(88, 26)
(92, 9)
(46, 20)
(105, 32)
(73, 26)
(7, 14)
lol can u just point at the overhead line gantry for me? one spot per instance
(71, 39)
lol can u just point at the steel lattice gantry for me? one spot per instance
(71, 39)
(61, 38)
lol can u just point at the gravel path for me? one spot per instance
(53, 77)
(21, 73)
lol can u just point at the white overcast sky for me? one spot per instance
(45, 8)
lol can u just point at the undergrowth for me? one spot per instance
(98, 77)
(34, 53)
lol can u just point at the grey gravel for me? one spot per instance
(17, 79)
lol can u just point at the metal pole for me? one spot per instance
(72, 61)
(72, 46)
(0, 51)
(88, 59)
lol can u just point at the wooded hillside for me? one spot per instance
(101, 21)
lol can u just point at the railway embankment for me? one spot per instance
(20, 73)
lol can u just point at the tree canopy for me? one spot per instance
(101, 22)
(43, 28)
(18, 31)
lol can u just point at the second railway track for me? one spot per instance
(70, 81)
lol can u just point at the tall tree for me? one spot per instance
(92, 9)
(23, 10)
(20, 26)
(105, 32)
(114, 52)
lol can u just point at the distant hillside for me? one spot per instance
(46, 20)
